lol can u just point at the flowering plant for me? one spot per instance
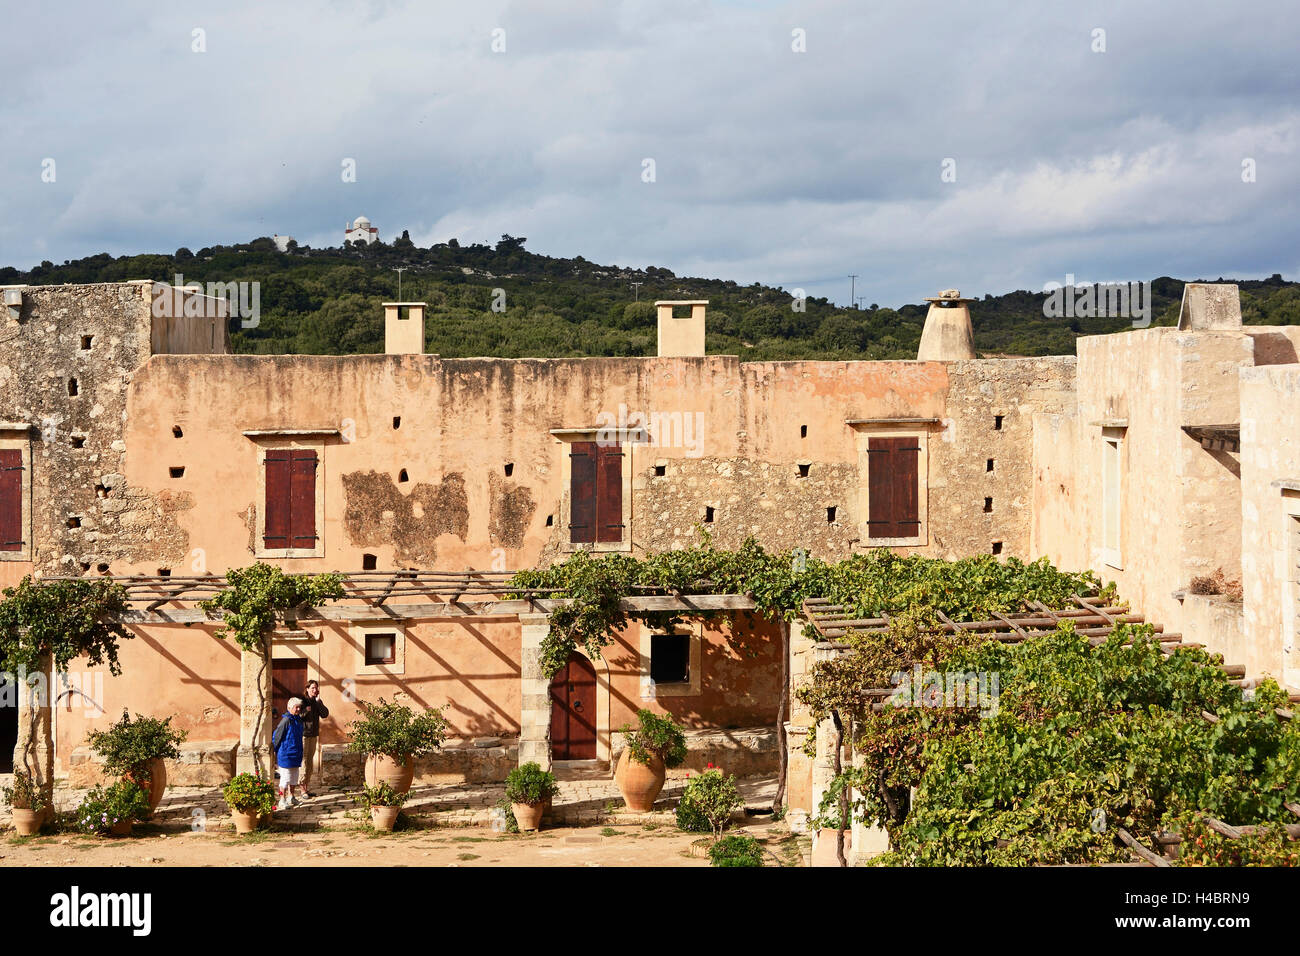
(249, 793)
(104, 808)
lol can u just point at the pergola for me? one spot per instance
(396, 595)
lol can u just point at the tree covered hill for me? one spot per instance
(326, 301)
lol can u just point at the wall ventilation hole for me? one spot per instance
(988, 505)
(988, 465)
(830, 515)
(102, 568)
(397, 421)
(74, 522)
(177, 471)
(997, 547)
(803, 431)
(997, 423)
(708, 516)
(550, 520)
(72, 386)
(510, 468)
(101, 491)
(164, 572)
(661, 470)
(86, 342)
(803, 470)
(78, 441)
(85, 565)
(401, 475)
(369, 562)
(176, 432)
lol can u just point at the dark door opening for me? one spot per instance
(8, 724)
(573, 711)
(288, 679)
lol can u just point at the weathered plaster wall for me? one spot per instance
(1270, 534)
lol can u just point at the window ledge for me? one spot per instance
(288, 432)
(855, 422)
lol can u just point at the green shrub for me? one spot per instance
(529, 784)
(102, 809)
(128, 746)
(24, 794)
(395, 731)
(249, 793)
(658, 736)
(382, 795)
(708, 802)
(736, 851)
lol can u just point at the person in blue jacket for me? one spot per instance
(286, 744)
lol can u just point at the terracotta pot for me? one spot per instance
(156, 785)
(245, 822)
(528, 815)
(122, 828)
(384, 818)
(381, 769)
(28, 822)
(638, 782)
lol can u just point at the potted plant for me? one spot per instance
(529, 789)
(708, 803)
(136, 750)
(112, 810)
(250, 799)
(384, 803)
(28, 803)
(392, 736)
(657, 745)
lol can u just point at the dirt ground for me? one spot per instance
(628, 845)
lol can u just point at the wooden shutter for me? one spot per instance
(892, 467)
(609, 493)
(276, 533)
(302, 499)
(11, 499)
(582, 492)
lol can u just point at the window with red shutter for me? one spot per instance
(290, 499)
(892, 471)
(595, 492)
(582, 492)
(11, 499)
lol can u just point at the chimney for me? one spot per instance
(684, 336)
(404, 328)
(1210, 306)
(947, 336)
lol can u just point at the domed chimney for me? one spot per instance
(948, 336)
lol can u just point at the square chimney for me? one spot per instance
(681, 327)
(404, 328)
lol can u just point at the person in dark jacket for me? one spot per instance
(313, 709)
(286, 744)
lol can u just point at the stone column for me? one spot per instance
(823, 765)
(255, 727)
(799, 766)
(34, 751)
(534, 692)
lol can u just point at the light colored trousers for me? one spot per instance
(308, 760)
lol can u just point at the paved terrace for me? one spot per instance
(585, 798)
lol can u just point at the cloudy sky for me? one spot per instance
(792, 143)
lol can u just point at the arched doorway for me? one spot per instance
(573, 710)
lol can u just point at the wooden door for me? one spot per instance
(288, 679)
(573, 711)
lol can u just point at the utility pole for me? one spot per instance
(399, 282)
(857, 302)
(853, 280)
(636, 291)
